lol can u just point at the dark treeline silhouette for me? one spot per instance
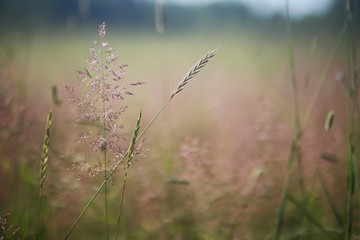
(31, 15)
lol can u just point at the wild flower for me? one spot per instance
(102, 104)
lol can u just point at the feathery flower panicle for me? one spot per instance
(103, 102)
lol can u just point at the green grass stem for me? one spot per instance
(295, 148)
(105, 148)
(128, 162)
(295, 101)
(353, 113)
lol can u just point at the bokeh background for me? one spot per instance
(214, 163)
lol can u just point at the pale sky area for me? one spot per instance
(265, 8)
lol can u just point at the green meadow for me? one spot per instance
(225, 159)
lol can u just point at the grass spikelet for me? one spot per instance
(193, 71)
(43, 166)
(133, 140)
(44, 156)
(128, 162)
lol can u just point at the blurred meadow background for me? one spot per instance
(216, 164)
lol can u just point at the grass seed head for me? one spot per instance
(134, 138)
(193, 71)
(44, 156)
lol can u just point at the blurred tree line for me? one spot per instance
(29, 15)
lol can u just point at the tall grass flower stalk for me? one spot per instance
(43, 167)
(102, 105)
(128, 163)
(192, 73)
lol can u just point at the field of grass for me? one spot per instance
(213, 164)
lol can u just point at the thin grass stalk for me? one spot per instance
(329, 200)
(128, 162)
(290, 50)
(350, 173)
(193, 71)
(43, 167)
(104, 147)
(351, 146)
(356, 70)
(295, 148)
(353, 71)
(295, 101)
